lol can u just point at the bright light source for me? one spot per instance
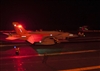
(14, 46)
(14, 24)
(71, 35)
(23, 36)
(50, 34)
(20, 26)
(40, 41)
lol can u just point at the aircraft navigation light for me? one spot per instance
(14, 46)
(14, 24)
(50, 34)
(40, 41)
(20, 26)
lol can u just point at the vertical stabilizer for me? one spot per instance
(19, 29)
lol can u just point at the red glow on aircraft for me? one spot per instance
(35, 38)
(20, 26)
(11, 38)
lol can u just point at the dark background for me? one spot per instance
(50, 14)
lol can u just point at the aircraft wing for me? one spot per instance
(41, 39)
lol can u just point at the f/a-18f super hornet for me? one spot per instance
(40, 37)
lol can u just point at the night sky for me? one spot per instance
(50, 14)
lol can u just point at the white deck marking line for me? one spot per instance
(75, 52)
(83, 68)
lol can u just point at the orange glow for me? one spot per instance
(34, 38)
(20, 26)
(11, 38)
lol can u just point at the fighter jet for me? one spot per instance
(38, 37)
